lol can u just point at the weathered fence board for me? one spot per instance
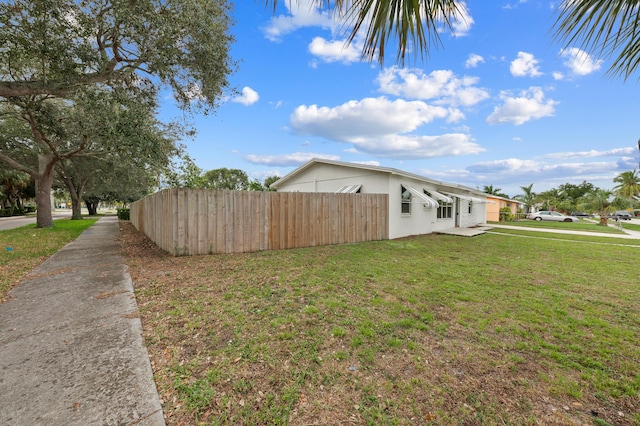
(199, 221)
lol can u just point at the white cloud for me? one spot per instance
(526, 65)
(380, 127)
(262, 175)
(473, 60)
(367, 118)
(558, 75)
(367, 163)
(580, 62)
(545, 175)
(302, 13)
(462, 21)
(285, 160)
(593, 153)
(442, 86)
(248, 97)
(549, 171)
(500, 171)
(414, 146)
(334, 51)
(530, 105)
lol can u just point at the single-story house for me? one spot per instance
(495, 204)
(418, 205)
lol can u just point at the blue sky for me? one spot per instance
(499, 103)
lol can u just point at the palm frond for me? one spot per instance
(605, 28)
(415, 25)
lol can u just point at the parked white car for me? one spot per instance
(552, 216)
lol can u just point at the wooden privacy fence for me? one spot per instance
(202, 221)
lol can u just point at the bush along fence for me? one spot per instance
(201, 221)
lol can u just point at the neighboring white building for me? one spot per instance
(418, 205)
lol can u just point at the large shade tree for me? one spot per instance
(224, 178)
(127, 141)
(52, 52)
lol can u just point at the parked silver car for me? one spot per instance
(552, 216)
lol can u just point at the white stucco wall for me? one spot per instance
(321, 177)
(329, 178)
(477, 216)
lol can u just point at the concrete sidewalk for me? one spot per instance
(71, 348)
(632, 235)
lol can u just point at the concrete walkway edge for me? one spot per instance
(71, 344)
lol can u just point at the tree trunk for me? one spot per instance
(603, 218)
(76, 208)
(76, 200)
(44, 181)
(92, 207)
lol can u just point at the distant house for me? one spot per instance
(417, 205)
(496, 203)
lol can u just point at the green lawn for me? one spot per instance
(630, 226)
(495, 329)
(22, 249)
(584, 225)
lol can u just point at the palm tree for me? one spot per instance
(628, 185)
(528, 198)
(12, 182)
(599, 200)
(489, 189)
(607, 28)
(549, 199)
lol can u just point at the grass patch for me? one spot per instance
(587, 239)
(434, 329)
(30, 246)
(582, 225)
(630, 226)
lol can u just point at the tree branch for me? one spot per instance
(18, 166)
(59, 87)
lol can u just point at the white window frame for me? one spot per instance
(405, 201)
(445, 210)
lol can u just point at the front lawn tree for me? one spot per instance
(602, 201)
(128, 142)
(56, 47)
(53, 52)
(628, 185)
(549, 199)
(528, 197)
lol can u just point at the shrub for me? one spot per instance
(12, 211)
(123, 214)
(506, 215)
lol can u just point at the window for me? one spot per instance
(406, 201)
(445, 210)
